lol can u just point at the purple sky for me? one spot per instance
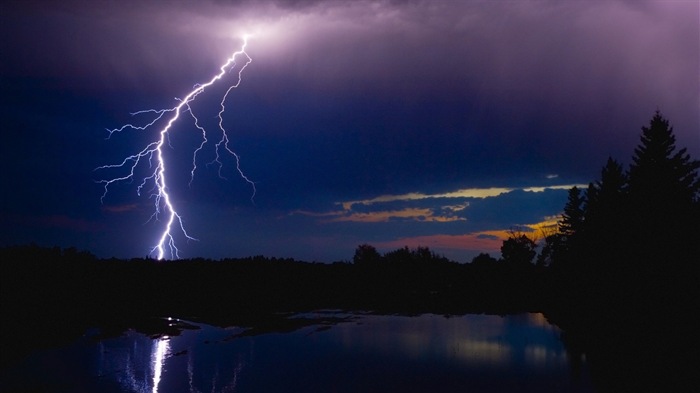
(434, 123)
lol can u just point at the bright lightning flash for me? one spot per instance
(153, 153)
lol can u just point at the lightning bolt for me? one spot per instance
(153, 153)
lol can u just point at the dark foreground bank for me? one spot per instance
(52, 296)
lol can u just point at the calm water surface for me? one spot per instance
(365, 353)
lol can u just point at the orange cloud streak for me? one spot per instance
(410, 213)
(417, 214)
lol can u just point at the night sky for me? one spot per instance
(393, 123)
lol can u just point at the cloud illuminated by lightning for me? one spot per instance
(153, 153)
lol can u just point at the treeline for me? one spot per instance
(78, 285)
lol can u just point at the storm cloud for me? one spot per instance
(346, 101)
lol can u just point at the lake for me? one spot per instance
(328, 351)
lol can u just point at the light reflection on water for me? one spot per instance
(134, 362)
(478, 353)
(476, 340)
(159, 353)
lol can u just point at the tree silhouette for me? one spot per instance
(661, 173)
(607, 196)
(664, 190)
(572, 218)
(558, 246)
(419, 256)
(366, 255)
(400, 257)
(483, 259)
(554, 250)
(518, 249)
(605, 229)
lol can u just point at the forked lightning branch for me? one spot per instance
(151, 156)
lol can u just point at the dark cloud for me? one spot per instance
(516, 208)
